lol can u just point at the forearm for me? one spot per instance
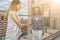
(18, 22)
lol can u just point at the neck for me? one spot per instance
(37, 15)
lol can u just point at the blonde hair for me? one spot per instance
(39, 10)
(13, 5)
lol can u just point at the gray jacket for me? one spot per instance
(37, 23)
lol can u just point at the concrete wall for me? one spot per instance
(55, 12)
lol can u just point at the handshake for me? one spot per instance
(25, 25)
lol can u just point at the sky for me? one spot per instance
(4, 4)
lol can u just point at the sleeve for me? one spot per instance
(31, 20)
(42, 22)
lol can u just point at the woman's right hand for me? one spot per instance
(27, 25)
(24, 25)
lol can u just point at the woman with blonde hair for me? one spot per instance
(37, 22)
(14, 25)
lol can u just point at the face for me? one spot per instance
(18, 6)
(36, 11)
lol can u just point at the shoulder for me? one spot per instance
(12, 12)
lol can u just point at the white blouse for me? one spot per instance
(13, 31)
